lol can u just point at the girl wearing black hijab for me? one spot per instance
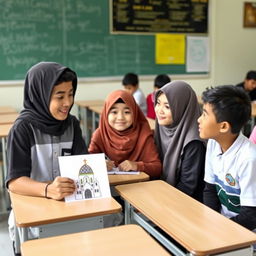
(44, 130)
(177, 138)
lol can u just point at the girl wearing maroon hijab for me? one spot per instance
(125, 137)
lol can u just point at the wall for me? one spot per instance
(232, 55)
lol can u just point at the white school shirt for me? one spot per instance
(140, 100)
(233, 173)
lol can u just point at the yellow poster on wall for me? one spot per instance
(170, 49)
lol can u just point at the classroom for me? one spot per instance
(231, 55)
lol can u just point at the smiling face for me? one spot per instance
(120, 117)
(163, 111)
(62, 99)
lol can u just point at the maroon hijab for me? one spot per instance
(121, 145)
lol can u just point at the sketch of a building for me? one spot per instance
(87, 185)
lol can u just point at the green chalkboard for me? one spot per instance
(75, 33)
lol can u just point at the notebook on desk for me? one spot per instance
(117, 171)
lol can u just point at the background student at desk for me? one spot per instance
(159, 82)
(131, 85)
(43, 131)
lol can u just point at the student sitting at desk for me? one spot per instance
(125, 137)
(131, 85)
(177, 138)
(159, 82)
(43, 131)
(230, 167)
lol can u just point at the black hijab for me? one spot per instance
(39, 83)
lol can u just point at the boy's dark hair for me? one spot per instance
(161, 80)
(130, 79)
(230, 104)
(66, 76)
(251, 75)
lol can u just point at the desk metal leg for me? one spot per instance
(83, 117)
(4, 161)
(127, 212)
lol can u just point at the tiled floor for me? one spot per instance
(5, 242)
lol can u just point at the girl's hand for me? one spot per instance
(128, 166)
(110, 165)
(61, 187)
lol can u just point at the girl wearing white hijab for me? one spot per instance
(177, 138)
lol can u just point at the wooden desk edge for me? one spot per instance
(115, 209)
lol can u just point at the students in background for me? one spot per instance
(131, 85)
(180, 147)
(253, 135)
(249, 84)
(43, 131)
(230, 169)
(125, 137)
(159, 82)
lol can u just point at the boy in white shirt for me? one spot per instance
(131, 85)
(230, 166)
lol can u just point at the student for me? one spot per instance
(249, 84)
(180, 147)
(159, 82)
(230, 167)
(253, 135)
(43, 131)
(131, 85)
(125, 137)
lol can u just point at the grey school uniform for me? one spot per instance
(35, 154)
(37, 138)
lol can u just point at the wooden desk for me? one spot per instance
(199, 229)
(58, 217)
(118, 179)
(122, 240)
(7, 110)
(8, 118)
(85, 116)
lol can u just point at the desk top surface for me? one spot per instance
(119, 179)
(8, 118)
(113, 241)
(87, 103)
(35, 211)
(7, 110)
(4, 129)
(195, 226)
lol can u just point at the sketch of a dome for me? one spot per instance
(87, 184)
(85, 169)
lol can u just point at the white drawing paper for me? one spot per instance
(89, 173)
